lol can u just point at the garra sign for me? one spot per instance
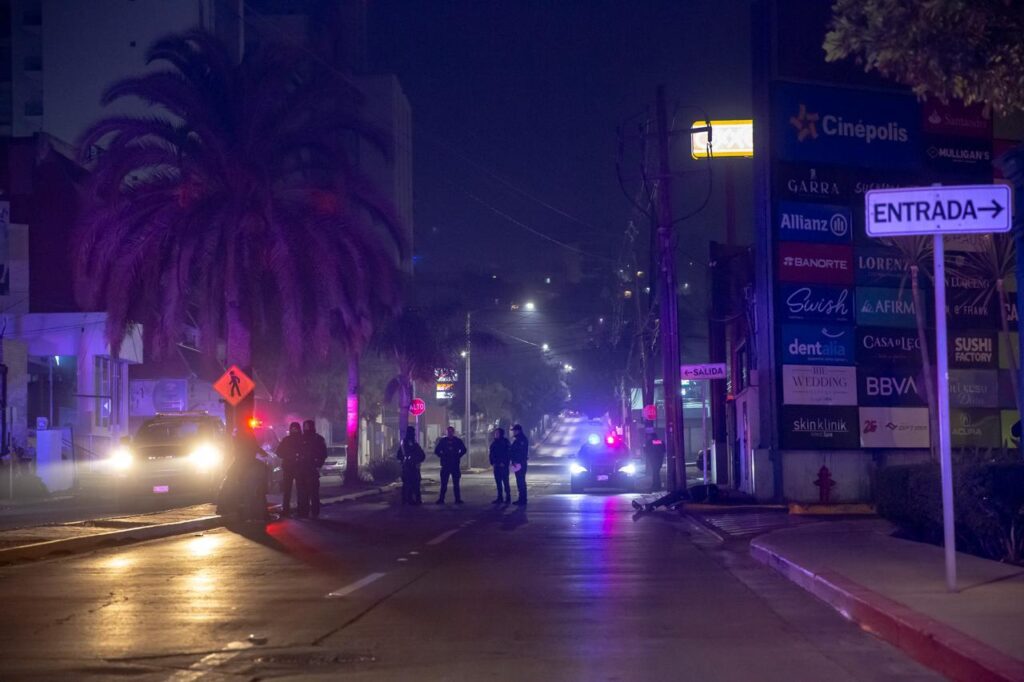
(937, 210)
(714, 370)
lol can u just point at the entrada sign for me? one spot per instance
(938, 210)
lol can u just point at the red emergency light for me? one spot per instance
(610, 440)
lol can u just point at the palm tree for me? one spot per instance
(995, 261)
(420, 340)
(236, 201)
(917, 252)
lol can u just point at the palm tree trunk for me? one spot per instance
(1014, 380)
(352, 421)
(404, 400)
(926, 363)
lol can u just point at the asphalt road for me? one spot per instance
(572, 587)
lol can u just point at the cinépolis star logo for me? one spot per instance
(806, 124)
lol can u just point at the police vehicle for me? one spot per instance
(604, 462)
(177, 453)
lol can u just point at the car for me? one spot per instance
(178, 453)
(334, 465)
(604, 461)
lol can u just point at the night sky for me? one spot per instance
(523, 98)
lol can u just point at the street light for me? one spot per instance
(545, 347)
(567, 367)
(530, 306)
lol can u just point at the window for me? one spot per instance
(102, 384)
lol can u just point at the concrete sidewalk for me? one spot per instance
(896, 589)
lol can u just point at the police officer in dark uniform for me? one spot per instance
(314, 454)
(518, 455)
(290, 452)
(411, 455)
(450, 449)
(654, 452)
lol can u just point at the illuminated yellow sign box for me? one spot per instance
(728, 138)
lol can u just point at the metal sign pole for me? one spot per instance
(945, 457)
(704, 426)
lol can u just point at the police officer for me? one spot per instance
(518, 455)
(290, 452)
(499, 461)
(411, 455)
(654, 453)
(314, 454)
(450, 449)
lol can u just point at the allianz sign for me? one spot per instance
(814, 223)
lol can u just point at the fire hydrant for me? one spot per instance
(825, 485)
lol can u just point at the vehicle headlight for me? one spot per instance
(205, 456)
(575, 468)
(629, 469)
(121, 459)
(594, 439)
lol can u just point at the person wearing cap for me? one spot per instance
(450, 450)
(290, 451)
(518, 455)
(654, 452)
(314, 454)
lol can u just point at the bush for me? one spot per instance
(988, 505)
(384, 469)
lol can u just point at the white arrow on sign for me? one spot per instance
(937, 210)
(714, 370)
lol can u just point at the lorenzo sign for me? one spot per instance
(860, 128)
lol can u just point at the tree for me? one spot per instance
(917, 254)
(969, 50)
(236, 201)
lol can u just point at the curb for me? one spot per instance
(930, 642)
(839, 509)
(77, 545)
(40, 550)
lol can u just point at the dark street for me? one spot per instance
(572, 587)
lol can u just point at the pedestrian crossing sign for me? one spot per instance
(234, 385)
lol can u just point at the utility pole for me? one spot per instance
(669, 306)
(469, 374)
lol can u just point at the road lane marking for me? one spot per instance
(357, 585)
(208, 663)
(443, 536)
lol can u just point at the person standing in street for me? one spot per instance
(290, 452)
(314, 454)
(411, 455)
(518, 454)
(654, 452)
(499, 457)
(450, 449)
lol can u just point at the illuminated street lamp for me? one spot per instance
(530, 306)
(567, 367)
(545, 347)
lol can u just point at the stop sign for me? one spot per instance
(651, 412)
(417, 407)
